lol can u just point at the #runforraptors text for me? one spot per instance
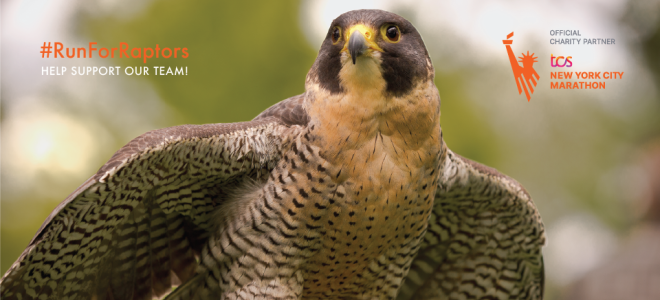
(123, 51)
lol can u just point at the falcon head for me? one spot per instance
(371, 50)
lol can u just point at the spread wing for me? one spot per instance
(137, 225)
(483, 241)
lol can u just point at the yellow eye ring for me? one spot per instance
(335, 35)
(391, 33)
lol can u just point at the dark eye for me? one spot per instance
(392, 33)
(336, 34)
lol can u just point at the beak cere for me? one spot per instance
(357, 44)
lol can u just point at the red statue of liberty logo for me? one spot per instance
(524, 75)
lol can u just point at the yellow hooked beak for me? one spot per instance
(360, 39)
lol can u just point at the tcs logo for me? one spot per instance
(554, 61)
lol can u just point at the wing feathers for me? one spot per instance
(483, 241)
(136, 226)
(289, 111)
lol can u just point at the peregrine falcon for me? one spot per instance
(347, 191)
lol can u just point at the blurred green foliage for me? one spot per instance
(243, 55)
(464, 131)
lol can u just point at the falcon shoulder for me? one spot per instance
(139, 223)
(483, 241)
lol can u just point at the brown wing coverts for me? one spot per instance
(483, 241)
(136, 226)
(289, 111)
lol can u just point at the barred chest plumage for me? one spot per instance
(344, 211)
(365, 212)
